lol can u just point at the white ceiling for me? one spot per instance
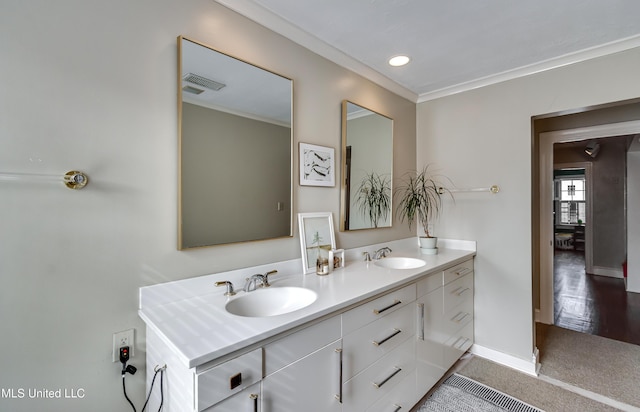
(455, 45)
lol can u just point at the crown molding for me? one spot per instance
(565, 60)
(294, 33)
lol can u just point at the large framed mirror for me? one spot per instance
(235, 149)
(367, 168)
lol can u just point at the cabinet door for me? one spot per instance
(431, 337)
(311, 384)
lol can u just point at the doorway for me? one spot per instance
(590, 284)
(587, 298)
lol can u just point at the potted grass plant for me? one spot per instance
(374, 197)
(420, 199)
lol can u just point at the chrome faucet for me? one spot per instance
(381, 253)
(257, 281)
(251, 283)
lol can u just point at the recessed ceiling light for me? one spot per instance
(399, 60)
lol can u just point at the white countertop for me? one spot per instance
(199, 329)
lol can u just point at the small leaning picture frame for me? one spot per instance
(316, 233)
(317, 165)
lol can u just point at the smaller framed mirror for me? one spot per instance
(367, 168)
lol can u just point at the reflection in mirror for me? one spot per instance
(367, 168)
(235, 140)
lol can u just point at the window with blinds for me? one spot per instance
(571, 200)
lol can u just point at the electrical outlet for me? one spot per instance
(120, 339)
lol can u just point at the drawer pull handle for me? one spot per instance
(460, 317)
(235, 381)
(421, 321)
(398, 407)
(396, 331)
(379, 311)
(460, 346)
(463, 291)
(339, 394)
(462, 271)
(459, 291)
(379, 385)
(455, 344)
(254, 398)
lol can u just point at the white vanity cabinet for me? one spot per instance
(445, 321)
(377, 343)
(303, 370)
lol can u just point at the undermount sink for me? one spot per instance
(271, 301)
(400, 263)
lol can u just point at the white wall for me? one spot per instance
(91, 85)
(483, 137)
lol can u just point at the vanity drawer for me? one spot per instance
(457, 292)
(364, 346)
(296, 346)
(400, 399)
(379, 379)
(458, 317)
(245, 400)
(229, 378)
(377, 308)
(457, 345)
(458, 271)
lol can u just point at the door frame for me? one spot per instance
(545, 163)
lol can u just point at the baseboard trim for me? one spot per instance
(609, 272)
(529, 367)
(591, 395)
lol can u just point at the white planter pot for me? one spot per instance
(429, 245)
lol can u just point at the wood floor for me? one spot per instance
(597, 305)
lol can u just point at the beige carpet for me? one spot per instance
(529, 389)
(598, 365)
(604, 366)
